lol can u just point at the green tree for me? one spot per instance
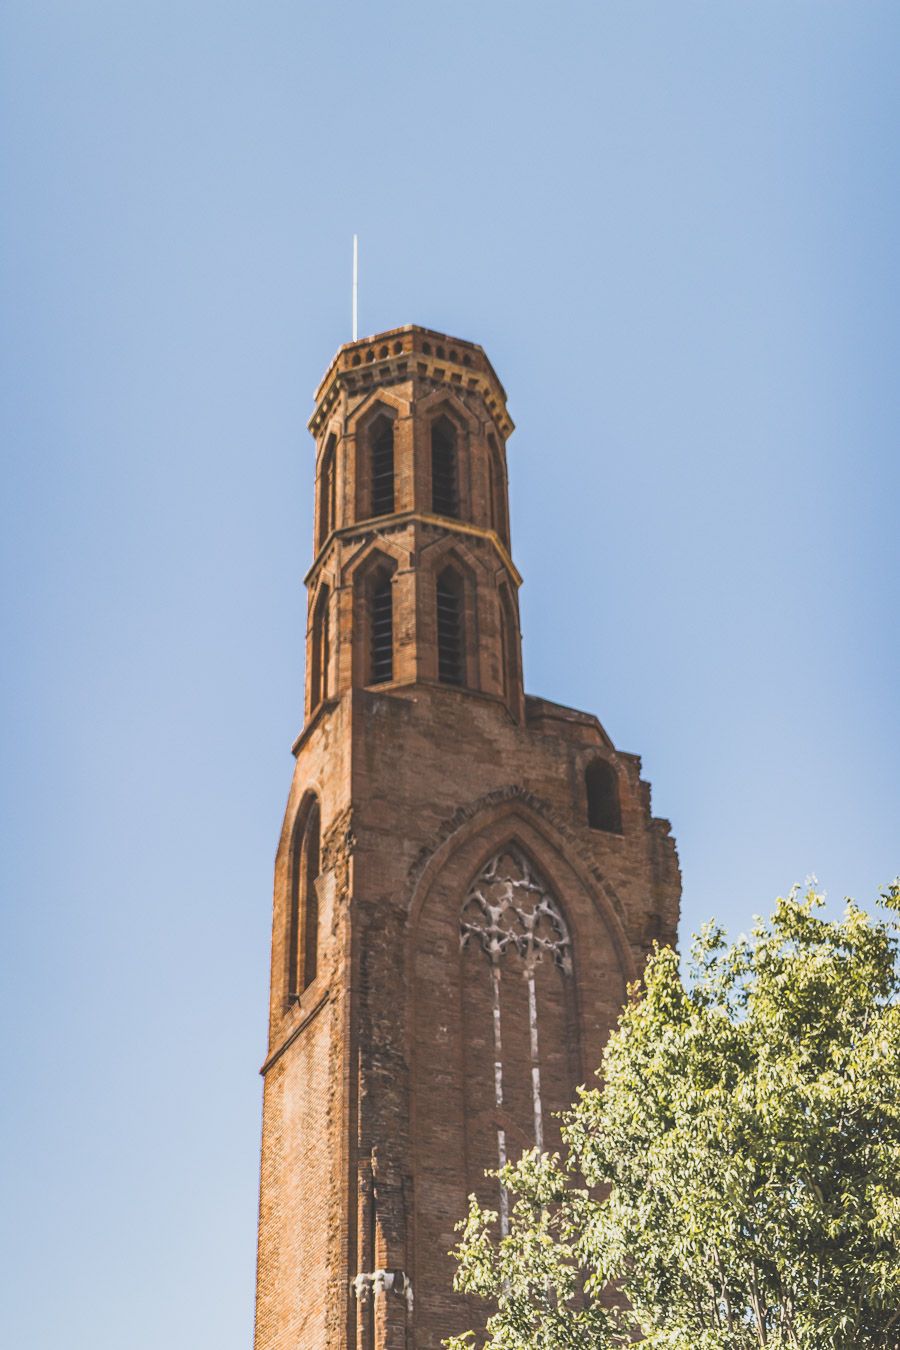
(736, 1175)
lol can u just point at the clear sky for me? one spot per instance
(674, 227)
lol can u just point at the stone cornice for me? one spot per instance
(408, 353)
(385, 524)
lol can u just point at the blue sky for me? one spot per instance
(673, 226)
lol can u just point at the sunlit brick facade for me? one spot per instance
(467, 876)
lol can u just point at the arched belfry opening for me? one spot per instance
(374, 464)
(379, 589)
(450, 598)
(444, 467)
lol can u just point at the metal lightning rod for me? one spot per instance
(355, 287)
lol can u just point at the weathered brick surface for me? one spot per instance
(379, 1109)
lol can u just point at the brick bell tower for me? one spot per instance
(467, 876)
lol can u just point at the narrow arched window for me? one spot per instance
(321, 651)
(450, 635)
(303, 938)
(326, 492)
(310, 874)
(604, 811)
(508, 644)
(381, 628)
(381, 467)
(444, 470)
(497, 487)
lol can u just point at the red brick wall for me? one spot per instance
(379, 1115)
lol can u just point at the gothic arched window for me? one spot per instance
(326, 492)
(510, 910)
(381, 467)
(321, 651)
(508, 644)
(304, 928)
(497, 487)
(444, 469)
(449, 598)
(381, 627)
(604, 811)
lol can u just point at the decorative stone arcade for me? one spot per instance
(467, 876)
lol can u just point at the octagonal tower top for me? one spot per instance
(401, 353)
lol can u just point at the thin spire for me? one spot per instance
(355, 287)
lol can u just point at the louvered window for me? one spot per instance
(451, 653)
(382, 462)
(381, 630)
(444, 486)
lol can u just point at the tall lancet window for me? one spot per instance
(381, 628)
(450, 636)
(497, 490)
(444, 475)
(381, 467)
(509, 911)
(326, 493)
(321, 651)
(508, 644)
(304, 934)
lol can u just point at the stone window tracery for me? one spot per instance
(510, 909)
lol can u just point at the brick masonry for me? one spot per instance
(381, 1106)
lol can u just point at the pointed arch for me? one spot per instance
(373, 574)
(499, 506)
(327, 493)
(446, 401)
(456, 587)
(380, 466)
(303, 911)
(450, 626)
(588, 905)
(320, 655)
(509, 646)
(469, 1013)
(375, 461)
(444, 467)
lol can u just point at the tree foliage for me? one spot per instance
(736, 1175)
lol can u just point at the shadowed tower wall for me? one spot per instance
(467, 876)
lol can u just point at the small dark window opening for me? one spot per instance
(451, 651)
(444, 488)
(326, 493)
(381, 629)
(604, 811)
(382, 462)
(310, 863)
